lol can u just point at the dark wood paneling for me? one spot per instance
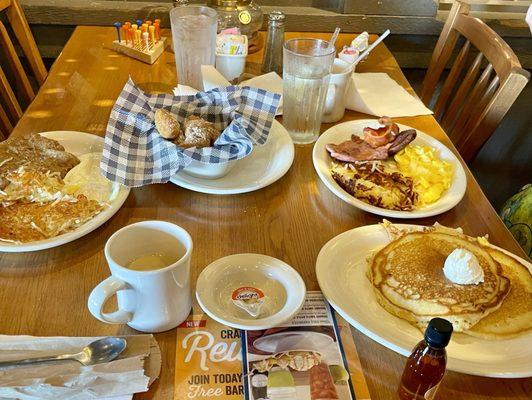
(80, 12)
(425, 8)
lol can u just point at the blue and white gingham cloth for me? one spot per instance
(134, 153)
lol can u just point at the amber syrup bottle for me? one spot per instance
(425, 367)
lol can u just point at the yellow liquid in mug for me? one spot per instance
(151, 262)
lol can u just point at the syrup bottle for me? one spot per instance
(425, 367)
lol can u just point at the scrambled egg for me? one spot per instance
(86, 178)
(431, 175)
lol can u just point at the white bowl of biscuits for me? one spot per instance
(193, 132)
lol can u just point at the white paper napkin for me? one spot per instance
(378, 94)
(126, 373)
(270, 82)
(213, 79)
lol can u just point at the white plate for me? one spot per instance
(341, 271)
(342, 132)
(77, 143)
(265, 165)
(208, 290)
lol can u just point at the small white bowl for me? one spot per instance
(210, 289)
(231, 66)
(208, 171)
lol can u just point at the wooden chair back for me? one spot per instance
(473, 99)
(11, 111)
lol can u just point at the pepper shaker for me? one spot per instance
(273, 53)
(179, 3)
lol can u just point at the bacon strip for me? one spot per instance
(383, 135)
(357, 149)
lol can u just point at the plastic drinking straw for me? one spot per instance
(373, 45)
(334, 37)
(118, 25)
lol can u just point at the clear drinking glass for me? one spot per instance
(306, 70)
(194, 37)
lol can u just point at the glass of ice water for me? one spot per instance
(307, 66)
(194, 38)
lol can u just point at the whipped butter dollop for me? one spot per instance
(463, 268)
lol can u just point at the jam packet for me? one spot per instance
(348, 54)
(361, 42)
(231, 42)
(249, 299)
(358, 45)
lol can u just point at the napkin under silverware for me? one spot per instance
(135, 369)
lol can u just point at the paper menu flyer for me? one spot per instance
(208, 359)
(312, 357)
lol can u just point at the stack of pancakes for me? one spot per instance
(408, 281)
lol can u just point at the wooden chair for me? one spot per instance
(472, 101)
(12, 112)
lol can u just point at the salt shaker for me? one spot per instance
(273, 53)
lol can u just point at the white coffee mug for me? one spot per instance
(149, 301)
(334, 108)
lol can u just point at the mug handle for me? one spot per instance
(99, 296)
(329, 99)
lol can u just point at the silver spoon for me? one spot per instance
(99, 351)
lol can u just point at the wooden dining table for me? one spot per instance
(44, 293)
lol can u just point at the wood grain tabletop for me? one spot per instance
(45, 292)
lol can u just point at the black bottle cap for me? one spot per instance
(438, 333)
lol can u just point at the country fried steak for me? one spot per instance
(34, 152)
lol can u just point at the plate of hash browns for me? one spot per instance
(52, 191)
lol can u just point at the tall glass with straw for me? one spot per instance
(306, 72)
(194, 38)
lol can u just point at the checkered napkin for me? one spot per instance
(135, 154)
